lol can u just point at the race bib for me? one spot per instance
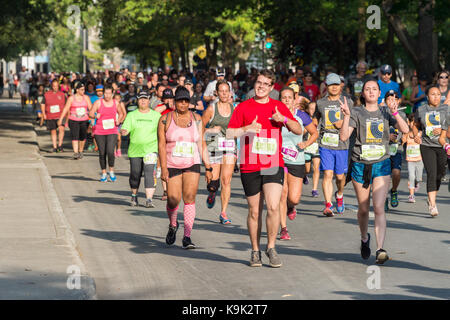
(151, 158)
(429, 131)
(226, 145)
(183, 149)
(358, 87)
(80, 112)
(413, 151)
(371, 152)
(54, 109)
(264, 146)
(313, 148)
(432, 121)
(108, 124)
(330, 139)
(393, 149)
(289, 154)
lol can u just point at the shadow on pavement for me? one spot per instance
(74, 178)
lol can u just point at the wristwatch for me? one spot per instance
(209, 169)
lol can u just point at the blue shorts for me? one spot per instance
(396, 161)
(379, 169)
(334, 160)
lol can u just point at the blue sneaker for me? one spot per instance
(104, 178)
(394, 199)
(112, 177)
(340, 204)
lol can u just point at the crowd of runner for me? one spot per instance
(274, 128)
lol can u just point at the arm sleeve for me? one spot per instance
(306, 119)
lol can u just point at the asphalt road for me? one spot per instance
(124, 249)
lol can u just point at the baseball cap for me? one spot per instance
(99, 88)
(391, 93)
(385, 69)
(168, 94)
(140, 75)
(188, 81)
(332, 78)
(182, 94)
(293, 85)
(220, 72)
(143, 95)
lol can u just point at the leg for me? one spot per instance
(111, 141)
(380, 188)
(363, 197)
(136, 165)
(430, 164)
(316, 173)
(272, 195)
(190, 188)
(149, 180)
(54, 137)
(226, 173)
(327, 185)
(102, 143)
(60, 135)
(254, 219)
(283, 202)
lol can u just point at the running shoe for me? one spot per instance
(305, 180)
(112, 176)
(223, 219)
(211, 200)
(328, 211)
(91, 147)
(172, 234)
(104, 178)
(80, 155)
(119, 153)
(255, 259)
(134, 201)
(76, 156)
(274, 260)
(394, 199)
(340, 203)
(187, 243)
(315, 193)
(292, 213)
(60, 149)
(149, 203)
(54, 150)
(411, 198)
(381, 256)
(434, 211)
(365, 248)
(284, 234)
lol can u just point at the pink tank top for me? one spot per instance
(79, 110)
(181, 145)
(106, 124)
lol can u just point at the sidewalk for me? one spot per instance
(38, 247)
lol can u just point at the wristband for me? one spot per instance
(285, 120)
(395, 113)
(446, 147)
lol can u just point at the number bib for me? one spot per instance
(413, 151)
(80, 112)
(108, 124)
(264, 145)
(429, 131)
(313, 148)
(151, 158)
(393, 149)
(226, 145)
(289, 153)
(183, 149)
(330, 139)
(371, 152)
(54, 109)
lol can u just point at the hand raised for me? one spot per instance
(255, 126)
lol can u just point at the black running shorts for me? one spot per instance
(254, 181)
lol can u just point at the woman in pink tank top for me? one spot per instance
(77, 106)
(108, 117)
(180, 152)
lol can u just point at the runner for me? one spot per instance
(310, 88)
(418, 96)
(356, 82)
(414, 159)
(180, 145)
(258, 122)
(142, 126)
(294, 161)
(210, 95)
(51, 105)
(312, 154)
(120, 105)
(222, 154)
(395, 152)
(333, 152)
(157, 98)
(370, 165)
(108, 115)
(24, 88)
(445, 136)
(386, 83)
(37, 104)
(442, 84)
(130, 100)
(77, 107)
(430, 119)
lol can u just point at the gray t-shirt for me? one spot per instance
(372, 134)
(327, 113)
(396, 147)
(430, 118)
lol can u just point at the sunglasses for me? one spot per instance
(443, 77)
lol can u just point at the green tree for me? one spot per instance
(65, 52)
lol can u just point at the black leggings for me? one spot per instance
(106, 145)
(137, 167)
(434, 160)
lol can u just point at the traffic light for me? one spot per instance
(269, 42)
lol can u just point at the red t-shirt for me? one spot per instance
(265, 152)
(54, 104)
(312, 91)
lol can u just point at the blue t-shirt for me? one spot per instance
(385, 87)
(94, 98)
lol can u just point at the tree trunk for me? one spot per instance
(162, 63)
(182, 53)
(362, 32)
(390, 58)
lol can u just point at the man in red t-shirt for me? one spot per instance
(310, 88)
(51, 106)
(258, 122)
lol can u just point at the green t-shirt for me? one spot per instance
(143, 131)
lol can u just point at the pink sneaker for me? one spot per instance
(292, 213)
(284, 234)
(118, 153)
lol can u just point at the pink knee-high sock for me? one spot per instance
(172, 213)
(189, 216)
